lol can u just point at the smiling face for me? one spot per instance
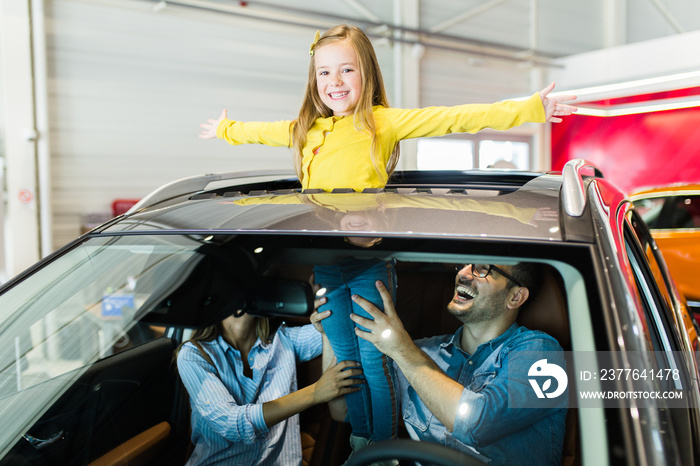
(479, 299)
(338, 77)
(360, 221)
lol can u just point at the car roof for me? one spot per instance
(675, 189)
(489, 204)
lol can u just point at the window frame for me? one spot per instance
(477, 138)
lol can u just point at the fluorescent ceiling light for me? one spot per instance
(637, 87)
(641, 86)
(640, 107)
(631, 88)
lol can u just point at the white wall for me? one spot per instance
(19, 143)
(128, 89)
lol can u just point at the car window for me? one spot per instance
(645, 242)
(659, 327)
(686, 212)
(650, 210)
(653, 256)
(663, 331)
(674, 212)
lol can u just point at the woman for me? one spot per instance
(242, 383)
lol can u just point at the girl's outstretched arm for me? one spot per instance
(209, 128)
(553, 106)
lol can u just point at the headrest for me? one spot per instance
(547, 310)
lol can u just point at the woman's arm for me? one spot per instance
(337, 405)
(334, 382)
(247, 422)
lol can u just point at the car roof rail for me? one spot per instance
(198, 183)
(573, 189)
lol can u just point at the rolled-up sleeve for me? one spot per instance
(507, 403)
(469, 414)
(211, 399)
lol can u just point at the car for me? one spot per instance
(88, 333)
(673, 215)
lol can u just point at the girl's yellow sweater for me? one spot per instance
(337, 153)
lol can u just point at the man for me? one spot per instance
(472, 390)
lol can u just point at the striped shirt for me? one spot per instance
(227, 419)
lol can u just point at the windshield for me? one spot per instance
(108, 294)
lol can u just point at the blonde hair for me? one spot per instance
(371, 94)
(262, 331)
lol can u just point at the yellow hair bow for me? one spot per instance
(313, 44)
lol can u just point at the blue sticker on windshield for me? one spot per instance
(112, 305)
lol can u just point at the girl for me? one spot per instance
(346, 136)
(242, 380)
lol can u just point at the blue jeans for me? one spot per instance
(372, 411)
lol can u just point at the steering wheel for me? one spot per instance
(404, 449)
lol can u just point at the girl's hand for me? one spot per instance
(209, 128)
(553, 108)
(337, 381)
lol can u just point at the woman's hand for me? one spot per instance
(209, 128)
(317, 317)
(337, 381)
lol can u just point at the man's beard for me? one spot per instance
(482, 309)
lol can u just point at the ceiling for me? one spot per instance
(533, 31)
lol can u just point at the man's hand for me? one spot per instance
(553, 106)
(386, 331)
(209, 128)
(439, 393)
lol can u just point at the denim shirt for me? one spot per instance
(500, 418)
(228, 427)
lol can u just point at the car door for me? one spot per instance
(668, 341)
(80, 376)
(104, 411)
(676, 230)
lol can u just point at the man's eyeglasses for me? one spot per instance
(483, 271)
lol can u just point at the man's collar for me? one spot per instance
(456, 338)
